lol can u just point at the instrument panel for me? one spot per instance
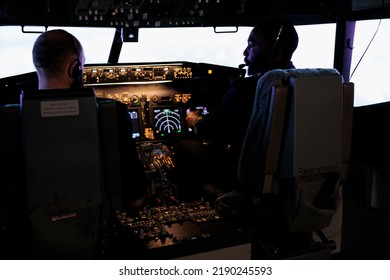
(103, 74)
(156, 111)
(159, 95)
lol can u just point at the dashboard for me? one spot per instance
(159, 95)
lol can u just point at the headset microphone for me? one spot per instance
(242, 70)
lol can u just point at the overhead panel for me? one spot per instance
(151, 13)
(161, 13)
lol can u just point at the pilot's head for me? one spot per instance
(59, 59)
(271, 45)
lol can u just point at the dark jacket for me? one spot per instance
(226, 125)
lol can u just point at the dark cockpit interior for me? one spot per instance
(175, 222)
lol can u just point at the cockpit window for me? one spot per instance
(15, 51)
(371, 62)
(16, 46)
(197, 44)
(316, 46)
(194, 44)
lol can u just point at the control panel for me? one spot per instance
(104, 74)
(160, 223)
(178, 230)
(158, 98)
(157, 112)
(158, 95)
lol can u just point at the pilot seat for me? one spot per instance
(292, 164)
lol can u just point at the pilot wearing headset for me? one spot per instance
(271, 45)
(59, 60)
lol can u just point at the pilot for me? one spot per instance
(59, 60)
(271, 44)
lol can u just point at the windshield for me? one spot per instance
(370, 61)
(16, 46)
(165, 45)
(197, 44)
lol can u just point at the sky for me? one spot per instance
(316, 49)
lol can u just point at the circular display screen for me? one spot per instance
(167, 121)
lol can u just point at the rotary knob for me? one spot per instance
(134, 99)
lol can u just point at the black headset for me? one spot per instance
(278, 36)
(274, 47)
(271, 52)
(76, 72)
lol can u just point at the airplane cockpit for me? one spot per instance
(292, 167)
(169, 224)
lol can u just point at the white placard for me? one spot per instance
(59, 108)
